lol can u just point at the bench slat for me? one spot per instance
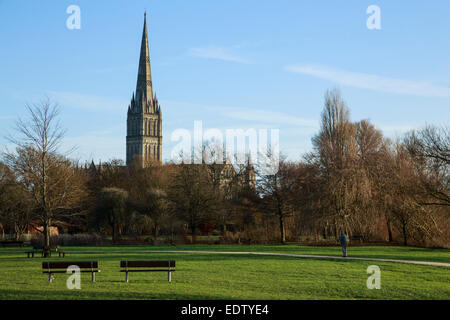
(66, 264)
(62, 271)
(148, 264)
(147, 270)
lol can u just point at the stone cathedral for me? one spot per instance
(144, 118)
(144, 127)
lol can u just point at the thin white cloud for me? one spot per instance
(255, 117)
(87, 101)
(217, 53)
(396, 128)
(264, 116)
(372, 82)
(93, 146)
(115, 68)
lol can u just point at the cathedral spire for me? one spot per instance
(144, 118)
(144, 91)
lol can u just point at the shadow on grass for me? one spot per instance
(100, 295)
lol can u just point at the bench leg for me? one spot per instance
(28, 254)
(93, 277)
(170, 277)
(49, 277)
(126, 277)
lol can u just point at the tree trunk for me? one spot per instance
(113, 235)
(46, 249)
(224, 229)
(336, 236)
(172, 235)
(17, 232)
(325, 231)
(282, 229)
(389, 228)
(193, 234)
(405, 237)
(155, 234)
(281, 218)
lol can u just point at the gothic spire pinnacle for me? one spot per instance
(144, 90)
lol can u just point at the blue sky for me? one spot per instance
(231, 64)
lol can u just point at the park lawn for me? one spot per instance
(220, 276)
(385, 252)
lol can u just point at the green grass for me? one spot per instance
(220, 276)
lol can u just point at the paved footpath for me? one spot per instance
(425, 263)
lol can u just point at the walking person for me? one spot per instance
(343, 239)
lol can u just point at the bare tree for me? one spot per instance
(192, 195)
(14, 203)
(149, 194)
(111, 209)
(430, 148)
(370, 173)
(334, 144)
(335, 155)
(278, 191)
(54, 185)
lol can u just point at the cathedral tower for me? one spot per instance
(144, 119)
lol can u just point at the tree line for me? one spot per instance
(354, 180)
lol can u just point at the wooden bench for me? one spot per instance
(12, 243)
(357, 237)
(39, 249)
(57, 267)
(149, 265)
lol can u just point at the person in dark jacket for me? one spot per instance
(343, 239)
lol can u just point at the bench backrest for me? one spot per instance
(148, 264)
(39, 247)
(12, 243)
(66, 264)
